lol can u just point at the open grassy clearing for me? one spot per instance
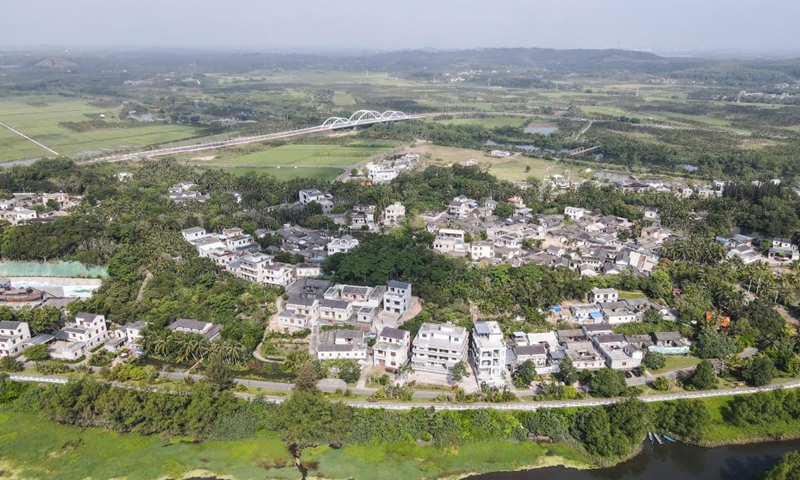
(512, 168)
(676, 362)
(40, 118)
(516, 169)
(309, 155)
(288, 173)
(38, 449)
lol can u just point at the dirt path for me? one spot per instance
(147, 277)
(278, 309)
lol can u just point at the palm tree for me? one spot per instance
(189, 347)
(230, 352)
(156, 342)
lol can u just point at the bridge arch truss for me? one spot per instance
(363, 117)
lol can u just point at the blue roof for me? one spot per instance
(555, 308)
(596, 315)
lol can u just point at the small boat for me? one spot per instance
(658, 439)
(668, 438)
(650, 436)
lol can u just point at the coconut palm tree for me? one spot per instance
(230, 352)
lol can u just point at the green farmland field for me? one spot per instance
(307, 155)
(489, 122)
(40, 118)
(288, 173)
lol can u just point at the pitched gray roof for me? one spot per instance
(394, 333)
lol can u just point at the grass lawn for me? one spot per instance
(31, 447)
(631, 294)
(283, 174)
(309, 155)
(675, 362)
(409, 461)
(40, 117)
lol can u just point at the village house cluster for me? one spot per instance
(31, 208)
(590, 243)
(186, 192)
(591, 347)
(388, 170)
(353, 311)
(745, 248)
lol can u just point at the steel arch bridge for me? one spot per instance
(363, 117)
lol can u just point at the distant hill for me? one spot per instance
(56, 63)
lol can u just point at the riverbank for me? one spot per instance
(32, 447)
(411, 461)
(720, 433)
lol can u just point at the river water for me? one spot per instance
(671, 461)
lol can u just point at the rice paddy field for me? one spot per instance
(41, 118)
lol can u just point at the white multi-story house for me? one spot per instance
(617, 352)
(313, 195)
(12, 336)
(381, 173)
(394, 214)
(185, 325)
(488, 352)
(307, 270)
(300, 312)
(480, 250)
(236, 240)
(461, 206)
(335, 310)
(251, 267)
(783, 248)
(449, 240)
(437, 348)
(583, 355)
(194, 233)
(18, 215)
(336, 344)
(391, 349)
(618, 312)
(342, 245)
(574, 213)
(369, 297)
(279, 274)
(206, 245)
(397, 298)
(88, 328)
(133, 331)
(603, 295)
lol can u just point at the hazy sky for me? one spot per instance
(711, 25)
